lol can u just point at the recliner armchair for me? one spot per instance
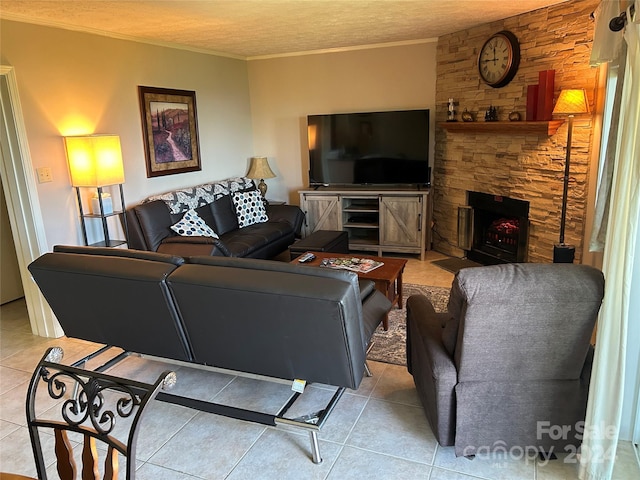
(509, 364)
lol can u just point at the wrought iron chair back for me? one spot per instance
(92, 402)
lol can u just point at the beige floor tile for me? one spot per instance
(394, 429)
(199, 384)
(627, 464)
(564, 466)
(7, 427)
(369, 383)
(356, 464)
(396, 385)
(493, 467)
(16, 455)
(11, 378)
(252, 394)
(385, 432)
(425, 273)
(441, 474)
(209, 446)
(160, 424)
(285, 456)
(149, 471)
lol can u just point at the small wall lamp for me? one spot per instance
(570, 102)
(259, 168)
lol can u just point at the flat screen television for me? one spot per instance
(369, 148)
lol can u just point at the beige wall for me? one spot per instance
(285, 90)
(77, 83)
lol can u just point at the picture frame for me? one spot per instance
(170, 130)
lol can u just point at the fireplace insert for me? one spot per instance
(499, 229)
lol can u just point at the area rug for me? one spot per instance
(389, 346)
(454, 264)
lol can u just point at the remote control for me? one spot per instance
(307, 257)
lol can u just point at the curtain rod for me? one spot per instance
(617, 23)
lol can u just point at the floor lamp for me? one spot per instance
(570, 103)
(95, 161)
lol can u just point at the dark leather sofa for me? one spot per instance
(149, 225)
(260, 317)
(255, 316)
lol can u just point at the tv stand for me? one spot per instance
(377, 219)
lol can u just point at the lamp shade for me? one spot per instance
(259, 168)
(571, 102)
(94, 160)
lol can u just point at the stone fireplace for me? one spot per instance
(499, 229)
(513, 159)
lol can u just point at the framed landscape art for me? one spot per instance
(170, 129)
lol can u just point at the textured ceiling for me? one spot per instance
(257, 28)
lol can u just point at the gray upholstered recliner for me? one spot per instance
(509, 364)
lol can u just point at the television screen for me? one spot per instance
(369, 148)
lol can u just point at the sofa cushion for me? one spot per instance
(243, 241)
(190, 246)
(191, 225)
(249, 208)
(224, 215)
(155, 222)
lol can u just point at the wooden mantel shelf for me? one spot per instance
(514, 128)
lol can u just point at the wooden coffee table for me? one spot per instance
(388, 277)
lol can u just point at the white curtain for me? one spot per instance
(607, 379)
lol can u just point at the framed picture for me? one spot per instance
(170, 128)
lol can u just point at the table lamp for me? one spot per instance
(259, 169)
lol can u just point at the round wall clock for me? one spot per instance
(499, 59)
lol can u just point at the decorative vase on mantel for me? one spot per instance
(514, 116)
(467, 116)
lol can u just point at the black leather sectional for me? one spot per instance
(149, 228)
(261, 317)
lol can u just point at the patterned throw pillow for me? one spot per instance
(249, 208)
(191, 225)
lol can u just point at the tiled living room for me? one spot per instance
(66, 69)
(378, 431)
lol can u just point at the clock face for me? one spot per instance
(499, 59)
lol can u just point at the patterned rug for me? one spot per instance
(389, 346)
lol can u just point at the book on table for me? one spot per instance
(358, 265)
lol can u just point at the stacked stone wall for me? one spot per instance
(524, 166)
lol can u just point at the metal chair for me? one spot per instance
(92, 402)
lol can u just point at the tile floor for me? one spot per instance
(376, 432)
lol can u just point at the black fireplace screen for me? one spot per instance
(500, 229)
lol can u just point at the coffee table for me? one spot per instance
(387, 278)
